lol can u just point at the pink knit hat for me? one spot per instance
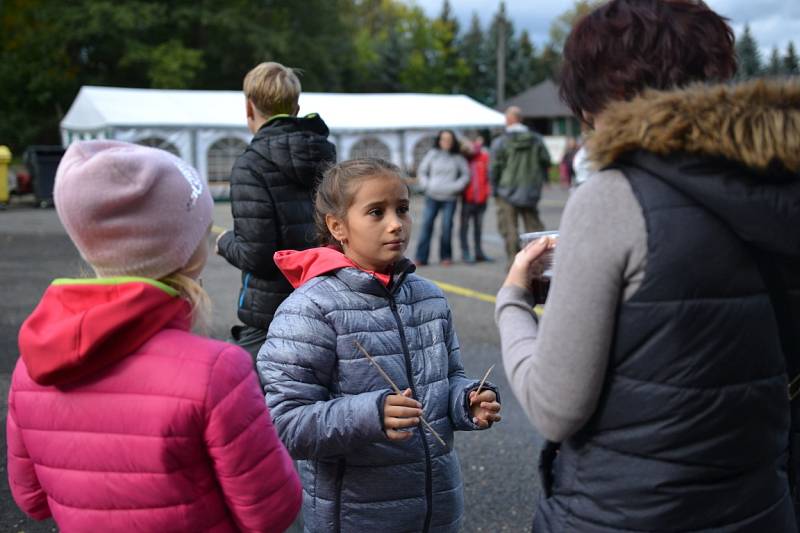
(131, 210)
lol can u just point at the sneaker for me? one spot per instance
(467, 257)
(418, 263)
(446, 262)
(483, 258)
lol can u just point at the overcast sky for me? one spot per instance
(773, 22)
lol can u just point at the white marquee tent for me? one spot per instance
(208, 128)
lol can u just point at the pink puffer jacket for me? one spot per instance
(121, 420)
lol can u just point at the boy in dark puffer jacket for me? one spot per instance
(272, 188)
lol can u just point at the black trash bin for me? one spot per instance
(42, 161)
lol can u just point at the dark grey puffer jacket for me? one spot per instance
(272, 200)
(326, 400)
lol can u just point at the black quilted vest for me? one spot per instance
(692, 430)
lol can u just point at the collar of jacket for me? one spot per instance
(756, 124)
(278, 123)
(81, 326)
(360, 281)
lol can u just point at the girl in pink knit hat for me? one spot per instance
(119, 417)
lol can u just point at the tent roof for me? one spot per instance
(541, 101)
(101, 107)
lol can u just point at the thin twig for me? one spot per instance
(382, 372)
(398, 391)
(486, 375)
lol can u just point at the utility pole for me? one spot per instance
(501, 56)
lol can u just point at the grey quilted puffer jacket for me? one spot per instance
(326, 400)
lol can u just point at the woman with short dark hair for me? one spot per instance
(659, 370)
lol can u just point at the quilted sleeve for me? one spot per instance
(22, 480)
(254, 239)
(261, 488)
(460, 385)
(296, 366)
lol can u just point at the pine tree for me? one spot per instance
(523, 66)
(473, 50)
(791, 65)
(448, 69)
(775, 66)
(748, 56)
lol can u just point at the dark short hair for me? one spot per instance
(626, 46)
(455, 149)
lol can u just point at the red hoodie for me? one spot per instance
(299, 267)
(478, 190)
(120, 419)
(81, 326)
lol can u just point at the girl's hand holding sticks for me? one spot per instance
(400, 411)
(483, 404)
(484, 408)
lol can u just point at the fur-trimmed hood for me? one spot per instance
(756, 124)
(733, 149)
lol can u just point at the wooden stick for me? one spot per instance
(398, 391)
(486, 375)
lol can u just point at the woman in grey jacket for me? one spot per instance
(366, 461)
(443, 175)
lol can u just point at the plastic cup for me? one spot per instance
(542, 272)
(546, 260)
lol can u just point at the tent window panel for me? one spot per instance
(370, 147)
(161, 144)
(221, 157)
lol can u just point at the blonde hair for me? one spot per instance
(273, 89)
(196, 295)
(192, 291)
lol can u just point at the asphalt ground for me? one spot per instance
(499, 465)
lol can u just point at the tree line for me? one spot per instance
(50, 49)
(752, 64)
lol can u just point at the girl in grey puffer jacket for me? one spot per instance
(366, 462)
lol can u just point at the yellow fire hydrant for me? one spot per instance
(5, 160)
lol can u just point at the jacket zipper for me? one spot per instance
(340, 465)
(428, 467)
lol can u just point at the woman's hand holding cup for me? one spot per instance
(527, 267)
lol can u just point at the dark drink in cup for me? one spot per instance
(541, 270)
(540, 286)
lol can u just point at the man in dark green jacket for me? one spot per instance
(519, 166)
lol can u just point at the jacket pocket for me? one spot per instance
(340, 466)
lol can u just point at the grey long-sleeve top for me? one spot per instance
(556, 366)
(442, 175)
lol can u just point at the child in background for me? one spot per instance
(272, 195)
(474, 198)
(119, 418)
(366, 461)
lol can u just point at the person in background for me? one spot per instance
(443, 174)
(272, 188)
(663, 367)
(474, 198)
(119, 417)
(566, 169)
(519, 166)
(367, 462)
